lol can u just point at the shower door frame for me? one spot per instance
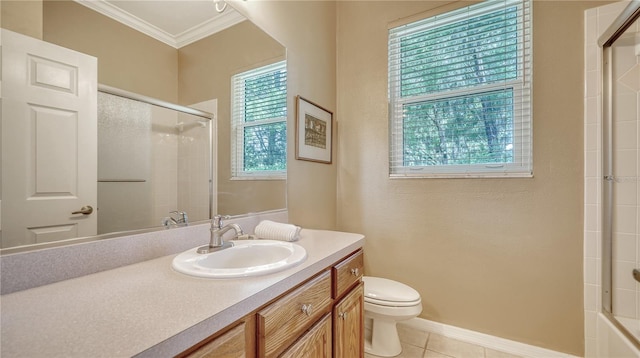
(628, 16)
(213, 130)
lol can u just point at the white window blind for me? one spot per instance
(259, 123)
(460, 93)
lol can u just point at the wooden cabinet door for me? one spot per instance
(348, 325)
(315, 343)
(228, 345)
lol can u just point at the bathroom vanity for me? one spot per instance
(300, 322)
(149, 310)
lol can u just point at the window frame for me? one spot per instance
(238, 125)
(522, 165)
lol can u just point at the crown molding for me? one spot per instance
(219, 23)
(126, 18)
(209, 27)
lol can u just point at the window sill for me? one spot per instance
(259, 178)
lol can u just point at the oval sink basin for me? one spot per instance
(244, 258)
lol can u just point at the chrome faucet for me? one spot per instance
(181, 219)
(217, 231)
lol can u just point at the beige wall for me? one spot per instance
(22, 16)
(205, 72)
(308, 30)
(127, 59)
(499, 256)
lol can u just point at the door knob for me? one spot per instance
(85, 210)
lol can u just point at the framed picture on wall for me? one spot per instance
(314, 128)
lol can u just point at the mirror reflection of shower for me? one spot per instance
(621, 179)
(151, 160)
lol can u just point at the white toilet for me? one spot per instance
(385, 303)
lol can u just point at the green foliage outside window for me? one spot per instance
(265, 130)
(448, 118)
(265, 147)
(461, 130)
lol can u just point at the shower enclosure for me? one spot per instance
(153, 158)
(620, 172)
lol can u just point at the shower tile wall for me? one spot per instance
(164, 176)
(194, 162)
(193, 170)
(596, 21)
(180, 164)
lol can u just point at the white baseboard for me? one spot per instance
(482, 339)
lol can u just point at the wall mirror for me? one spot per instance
(173, 154)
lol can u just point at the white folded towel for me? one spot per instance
(272, 230)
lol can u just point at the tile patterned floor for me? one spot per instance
(419, 344)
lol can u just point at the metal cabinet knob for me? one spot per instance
(85, 210)
(355, 271)
(306, 309)
(343, 315)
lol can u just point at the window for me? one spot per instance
(460, 93)
(259, 123)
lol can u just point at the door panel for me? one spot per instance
(55, 168)
(53, 75)
(52, 233)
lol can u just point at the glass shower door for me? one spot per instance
(622, 186)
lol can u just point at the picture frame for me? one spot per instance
(314, 132)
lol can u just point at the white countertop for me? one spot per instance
(147, 309)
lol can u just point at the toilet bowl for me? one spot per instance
(387, 302)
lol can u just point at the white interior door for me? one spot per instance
(49, 141)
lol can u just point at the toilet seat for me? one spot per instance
(384, 292)
(392, 303)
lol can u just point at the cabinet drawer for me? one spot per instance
(347, 273)
(284, 320)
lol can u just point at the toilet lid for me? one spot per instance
(388, 292)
